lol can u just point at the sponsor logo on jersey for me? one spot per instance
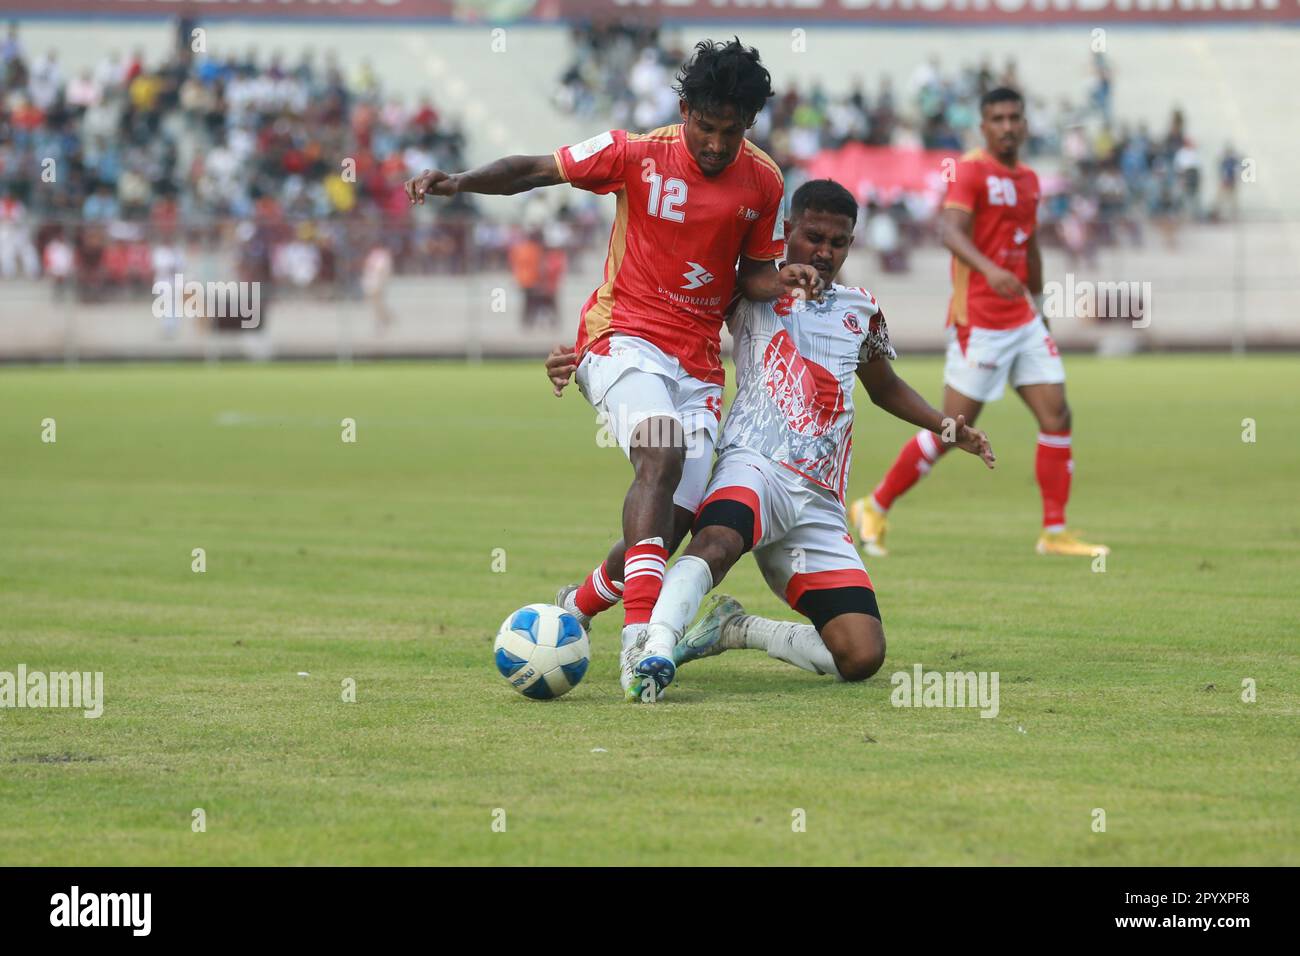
(1021, 236)
(590, 147)
(851, 323)
(697, 276)
(747, 214)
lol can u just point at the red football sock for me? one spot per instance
(1054, 466)
(643, 577)
(914, 460)
(598, 593)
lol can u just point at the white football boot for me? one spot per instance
(566, 598)
(655, 669)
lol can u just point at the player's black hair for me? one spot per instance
(722, 74)
(824, 195)
(1002, 94)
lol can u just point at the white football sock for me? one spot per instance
(630, 634)
(685, 585)
(797, 644)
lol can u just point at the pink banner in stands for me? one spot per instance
(883, 173)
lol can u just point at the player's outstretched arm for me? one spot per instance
(955, 227)
(761, 281)
(502, 177)
(895, 396)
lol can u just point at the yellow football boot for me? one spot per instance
(870, 526)
(1066, 542)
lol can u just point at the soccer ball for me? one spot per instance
(542, 651)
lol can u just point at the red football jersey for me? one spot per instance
(671, 267)
(1004, 203)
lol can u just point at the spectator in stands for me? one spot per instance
(16, 249)
(59, 262)
(1230, 168)
(376, 273)
(526, 265)
(885, 238)
(1100, 95)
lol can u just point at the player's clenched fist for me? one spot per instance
(560, 366)
(431, 181)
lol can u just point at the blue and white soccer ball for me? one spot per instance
(542, 651)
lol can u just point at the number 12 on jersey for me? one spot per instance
(665, 197)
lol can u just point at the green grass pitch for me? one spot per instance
(374, 561)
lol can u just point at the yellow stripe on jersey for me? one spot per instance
(599, 317)
(968, 156)
(957, 310)
(662, 133)
(764, 160)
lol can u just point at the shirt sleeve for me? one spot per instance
(595, 164)
(765, 240)
(876, 344)
(963, 191)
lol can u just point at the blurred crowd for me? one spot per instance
(118, 176)
(111, 176)
(1109, 178)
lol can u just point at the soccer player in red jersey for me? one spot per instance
(996, 332)
(698, 217)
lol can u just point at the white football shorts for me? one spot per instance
(980, 362)
(636, 381)
(801, 537)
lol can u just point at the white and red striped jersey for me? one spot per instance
(795, 368)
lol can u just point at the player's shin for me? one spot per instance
(797, 644)
(1053, 467)
(643, 577)
(684, 588)
(598, 593)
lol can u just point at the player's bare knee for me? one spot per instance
(863, 657)
(1057, 420)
